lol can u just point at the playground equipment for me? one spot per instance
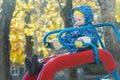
(68, 60)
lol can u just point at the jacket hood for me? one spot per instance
(87, 12)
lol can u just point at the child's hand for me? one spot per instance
(80, 40)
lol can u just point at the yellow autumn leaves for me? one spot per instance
(44, 17)
(40, 23)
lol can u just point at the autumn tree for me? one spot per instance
(36, 19)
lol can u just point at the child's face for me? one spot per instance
(79, 20)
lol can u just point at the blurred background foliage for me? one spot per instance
(37, 17)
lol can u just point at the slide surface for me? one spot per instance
(69, 60)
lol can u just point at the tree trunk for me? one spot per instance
(29, 45)
(65, 13)
(8, 7)
(29, 42)
(108, 14)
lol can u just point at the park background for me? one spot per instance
(23, 23)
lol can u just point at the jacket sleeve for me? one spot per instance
(92, 33)
(71, 37)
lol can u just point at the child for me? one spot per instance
(82, 16)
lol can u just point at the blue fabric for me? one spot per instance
(91, 33)
(73, 36)
(87, 11)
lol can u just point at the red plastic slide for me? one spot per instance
(71, 60)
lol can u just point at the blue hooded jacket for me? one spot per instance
(87, 11)
(91, 33)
